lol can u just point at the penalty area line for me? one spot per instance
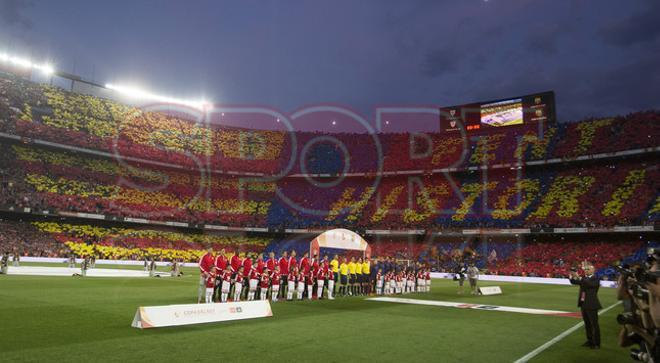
(559, 337)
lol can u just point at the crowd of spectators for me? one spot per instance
(574, 195)
(24, 240)
(551, 257)
(61, 239)
(556, 259)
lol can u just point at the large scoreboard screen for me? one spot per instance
(504, 113)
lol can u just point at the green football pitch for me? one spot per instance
(69, 319)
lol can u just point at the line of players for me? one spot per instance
(222, 279)
(238, 279)
(403, 282)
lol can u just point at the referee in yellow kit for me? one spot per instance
(366, 273)
(359, 277)
(353, 277)
(343, 271)
(334, 269)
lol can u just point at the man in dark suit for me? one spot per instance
(589, 304)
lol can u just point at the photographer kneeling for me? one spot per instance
(640, 324)
(588, 304)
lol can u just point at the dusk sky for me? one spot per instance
(600, 57)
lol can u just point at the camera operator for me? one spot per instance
(459, 275)
(640, 324)
(588, 304)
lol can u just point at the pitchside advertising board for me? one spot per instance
(499, 114)
(490, 290)
(177, 315)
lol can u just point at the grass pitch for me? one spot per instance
(68, 319)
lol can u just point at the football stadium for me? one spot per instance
(302, 181)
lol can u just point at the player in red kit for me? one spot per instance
(309, 278)
(272, 261)
(235, 262)
(226, 284)
(331, 284)
(420, 281)
(238, 285)
(283, 263)
(304, 264)
(293, 261)
(379, 282)
(247, 267)
(254, 281)
(263, 285)
(399, 282)
(275, 283)
(221, 263)
(411, 281)
(291, 282)
(387, 283)
(314, 268)
(304, 268)
(261, 264)
(210, 285)
(300, 277)
(314, 263)
(320, 282)
(205, 264)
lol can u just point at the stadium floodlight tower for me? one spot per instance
(341, 239)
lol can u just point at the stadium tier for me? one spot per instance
(48, 113)
(603, 193)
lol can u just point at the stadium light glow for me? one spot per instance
(145, 95)
(46, 68)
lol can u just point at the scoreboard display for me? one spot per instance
(499, 114)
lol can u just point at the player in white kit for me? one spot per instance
(238, 285)
(210, 284)
(320, 282)
(275, 283)
(291, 283)
(301, 285)
(253, 282)
(379, 282)
(331, 284)
(226, 284)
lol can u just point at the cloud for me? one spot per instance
(12, 13)
(634, 85)
(544, 41)
(439, 62)
(638, 28)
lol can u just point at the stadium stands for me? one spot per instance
(191, 182)
(557, 258)
(47, 238)
(604, 194)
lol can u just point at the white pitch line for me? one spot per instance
(462, 305)
(559, 337)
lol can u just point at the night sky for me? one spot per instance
(600, 57)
